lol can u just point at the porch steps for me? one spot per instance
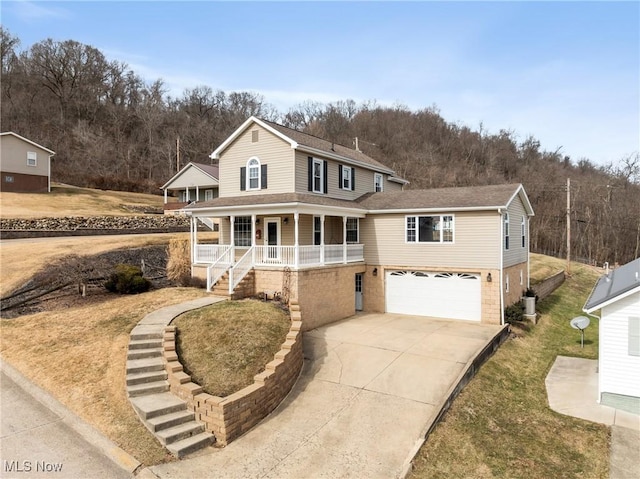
(245, 289)
(163, 413)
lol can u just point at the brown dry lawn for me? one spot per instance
(78, 354)
(20, 259)
(225, 345)
(74, 201)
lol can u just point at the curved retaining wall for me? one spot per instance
(229, 417)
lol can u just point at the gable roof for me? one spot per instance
(28, 141)
(494, 197)
(615, 285)
(209, 170)
(307, 143)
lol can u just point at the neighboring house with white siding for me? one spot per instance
(336, 230)
(25, 166)
(617, 296)
(194, 182)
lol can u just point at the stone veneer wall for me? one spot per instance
(229, 417)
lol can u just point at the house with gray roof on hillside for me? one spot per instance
(194, 182)
(340, 232)
(617, 296)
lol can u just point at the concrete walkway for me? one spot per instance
(39, 437)
(371, 387)
(572, 389)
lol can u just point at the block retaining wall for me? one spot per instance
(227, 418)
(547, 286)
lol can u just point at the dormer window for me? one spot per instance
(253, 174)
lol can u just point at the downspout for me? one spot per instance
(528, 233)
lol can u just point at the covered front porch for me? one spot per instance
(268, 239)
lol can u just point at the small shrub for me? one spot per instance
(127, 279)
(179, 262)
(514, 313)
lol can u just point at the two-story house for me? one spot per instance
(194, 182)
(334, 228)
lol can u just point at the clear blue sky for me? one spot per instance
(567, 73)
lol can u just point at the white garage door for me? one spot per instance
(441, 295)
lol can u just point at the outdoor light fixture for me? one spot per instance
(375, 271)
(489, 278)
(286, 221)
(257, 221)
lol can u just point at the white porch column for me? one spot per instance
(165, 196)
(192, 239)
(253, 238)
(344, 239)
(187, 195)
(296, 249)
(194, 222)
(322, 239)
(197, 193)
(232, 220)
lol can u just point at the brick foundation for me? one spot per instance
(229, 417)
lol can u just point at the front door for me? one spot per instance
(358, 292)
(272, 238)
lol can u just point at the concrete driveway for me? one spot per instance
(370, 388)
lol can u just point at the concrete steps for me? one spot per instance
(244, 289)
(164, 414)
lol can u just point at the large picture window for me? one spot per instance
(242, 231)
(430, 229)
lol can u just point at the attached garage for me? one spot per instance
(439, 295)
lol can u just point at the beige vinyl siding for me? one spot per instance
(192, 177)
(516, 253)
(390, 185)
(13, 152)
(270, 150)
(363, 177)
(476, 242)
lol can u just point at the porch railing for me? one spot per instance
(308, 255)
(216, 270)
(209, 253)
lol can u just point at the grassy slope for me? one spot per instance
(225, 345)
(501, 425)
(73, 201)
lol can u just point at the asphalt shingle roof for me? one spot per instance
(440, 198)
(304, 139)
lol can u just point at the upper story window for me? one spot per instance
(352, 230)
(253, 176)
(32, 158)
(506, 231)
(429, 229)
(377, 182)
(317, 175)
(523, 231)
(346, 177)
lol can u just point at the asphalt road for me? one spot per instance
(37, 442)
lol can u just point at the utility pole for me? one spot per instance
(568, 226)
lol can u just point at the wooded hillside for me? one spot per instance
(111, 129)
